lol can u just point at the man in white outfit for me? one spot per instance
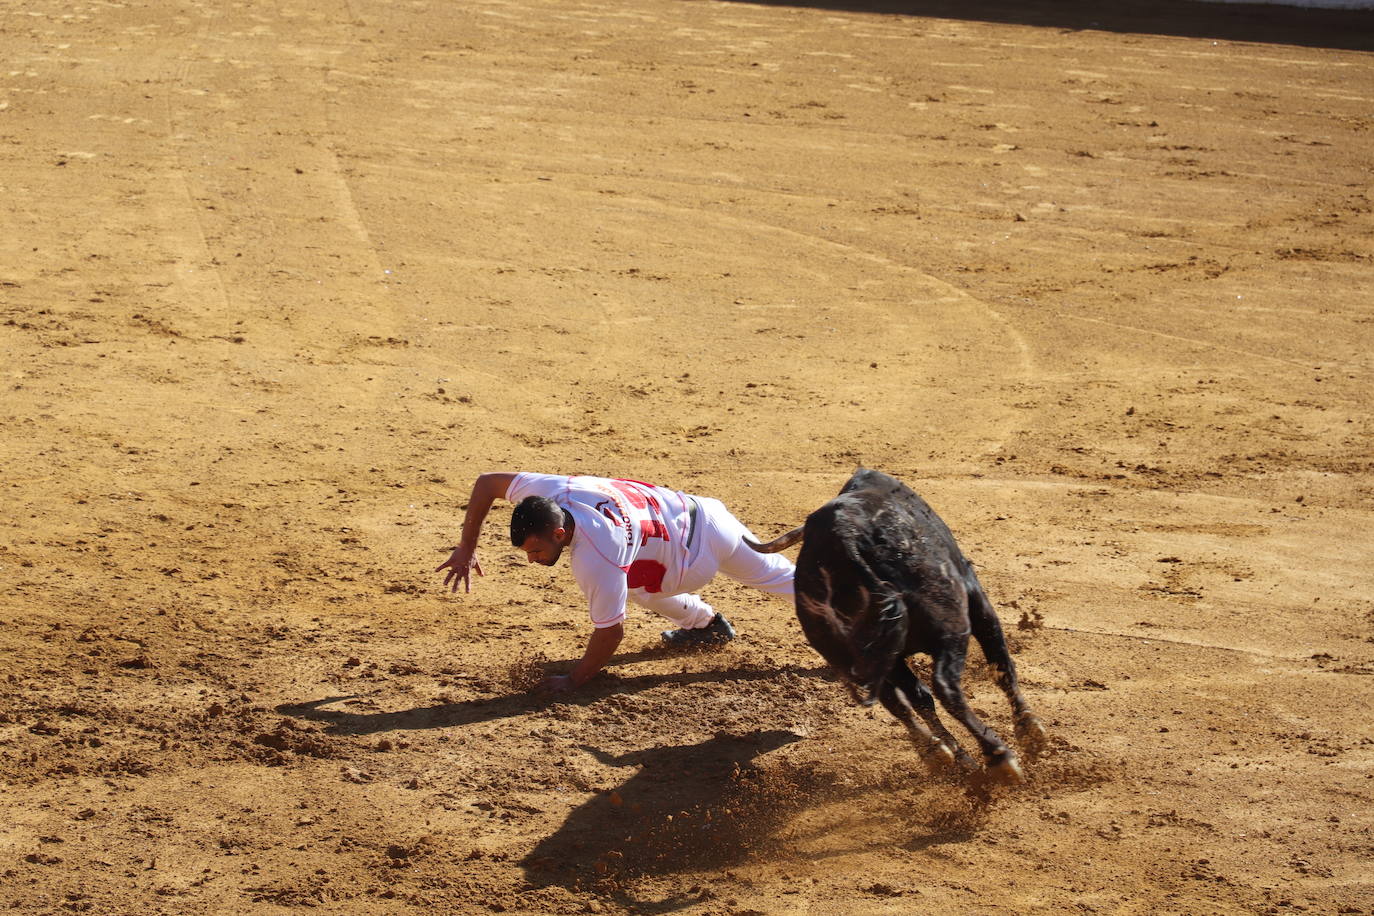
(630, 541)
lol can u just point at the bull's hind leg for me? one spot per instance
(1030, 734)
(947, 672)
(909, 685)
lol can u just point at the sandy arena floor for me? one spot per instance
(278, 280)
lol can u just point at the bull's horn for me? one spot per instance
(782, 543)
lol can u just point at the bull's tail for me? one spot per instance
(782, 543)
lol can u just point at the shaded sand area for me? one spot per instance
(278, 280)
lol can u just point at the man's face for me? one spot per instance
(545, 549)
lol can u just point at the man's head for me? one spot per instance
(541, 528)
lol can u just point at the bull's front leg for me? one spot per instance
(919, 698)
(940, 753)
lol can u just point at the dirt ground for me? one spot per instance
(278, 280)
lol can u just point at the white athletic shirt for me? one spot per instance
(628, 535)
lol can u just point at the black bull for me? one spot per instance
(880, 578)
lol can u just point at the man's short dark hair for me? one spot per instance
(534, 515)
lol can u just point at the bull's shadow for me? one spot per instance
(684, 808)
(700, 808)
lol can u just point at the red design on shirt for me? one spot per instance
(638, 494)
(645, 574)
(637, 497)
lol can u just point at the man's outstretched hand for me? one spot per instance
(459, 565)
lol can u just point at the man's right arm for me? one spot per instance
(486, 490)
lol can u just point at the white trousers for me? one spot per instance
(722, 550)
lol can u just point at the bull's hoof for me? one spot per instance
(964, 760)
(1006, 772)
(1031, 735)
(1001, 771)
(940, 758)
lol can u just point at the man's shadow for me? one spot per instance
(685, 808)
(468, 712)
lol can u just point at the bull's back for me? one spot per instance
(893, 527)
(877, 534)
(891, 503)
